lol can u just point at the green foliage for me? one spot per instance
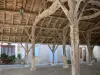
(7, 59)
(4, 56)
(69, 61)
(12, 58)
(19, 56)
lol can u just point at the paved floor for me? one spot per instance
(47, 70)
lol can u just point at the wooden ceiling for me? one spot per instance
(16, 27)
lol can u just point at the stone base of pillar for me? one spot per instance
(26, 65)
(65, 66)
(53, 64)
(33, 69)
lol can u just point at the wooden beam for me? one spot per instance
(40, 29)
(84, 36)
(55, 0)
(61, 23)
(23, 46)
(28, 34)
(98, 27)
(25, 26)
(94, 2)
(14, 38)
(17, 12)
(47, 12)
(91, 16)
(65, 10)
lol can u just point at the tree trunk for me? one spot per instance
(64, 50)
(53, 56)
(74, 36)
(33, 48)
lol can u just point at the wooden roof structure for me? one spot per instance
(17, 18)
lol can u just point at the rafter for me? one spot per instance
(24, 3)
(12, 19)
(49, 22)
(15, 3)
(40, 29)
(14, 38)
(32, 5)
(4, 3)
(61, 23)
(94, 2)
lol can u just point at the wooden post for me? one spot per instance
(53, 56)
(53, 53)
(64, 51)
(53, 49)
(27, 63)
(74, 35)
(92, 52)
(89, 47)
(33, 49)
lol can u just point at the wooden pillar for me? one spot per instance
(33, 49)
(90, 52)
(74, 36)
(26, 51)
(89, 47)
(64, 49)
(53, 56)
(92, 47)
(53, 49)
(53, 53)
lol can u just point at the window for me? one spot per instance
(8, 49)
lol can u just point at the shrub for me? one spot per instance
(5, 59)
(69, 61)
(12, 58)
(19, 56)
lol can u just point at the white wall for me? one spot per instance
(96, 52)
(18, 49)
(83, 48)
(45, 55)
